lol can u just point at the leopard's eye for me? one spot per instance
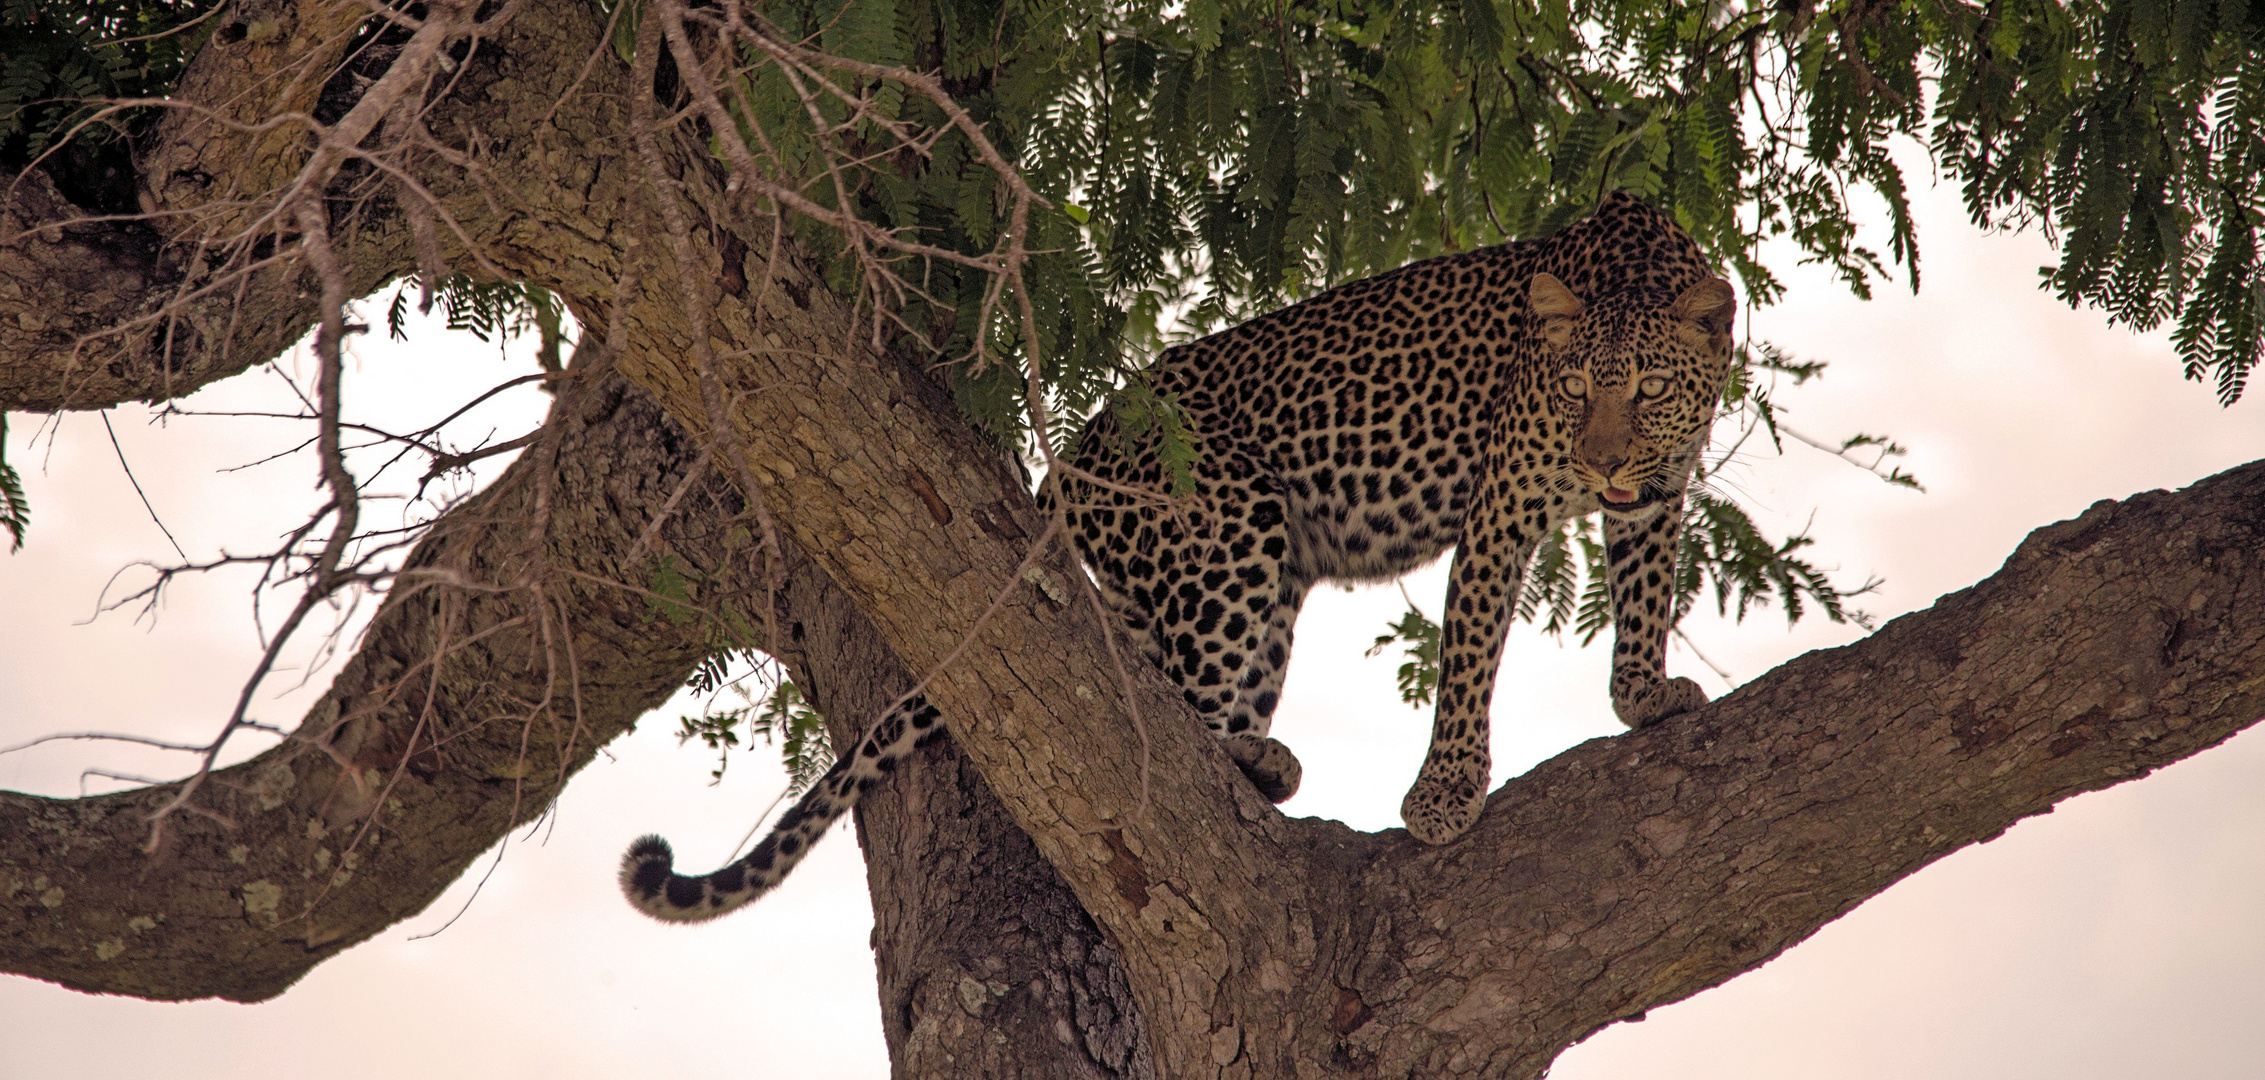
(1574, 386)
(1653, 386)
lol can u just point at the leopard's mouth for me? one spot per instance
(1623, 499)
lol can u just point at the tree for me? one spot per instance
(859, 528)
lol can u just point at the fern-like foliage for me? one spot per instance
(1721, 553)
(488, 310)
(1211, 159)
(2134, 131)
(786, 718)
(1418, 638)
(1154, 422)
(1215, 158)
(1724, 553)
(63, 61)
(15, 511)
(782, 718)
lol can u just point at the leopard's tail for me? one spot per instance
(647, 870)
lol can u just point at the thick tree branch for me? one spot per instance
(103, 312)
(426, 750)
(1631, 872)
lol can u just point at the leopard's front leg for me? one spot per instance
(1641, 556)
(1482, 594)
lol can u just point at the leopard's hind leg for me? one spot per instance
(1211, 598)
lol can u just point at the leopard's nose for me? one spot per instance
(1608, 465)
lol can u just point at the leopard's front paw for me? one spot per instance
(1445, 803)
(1271, 767)
(1658, 701)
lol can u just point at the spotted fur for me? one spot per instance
(1472, 401)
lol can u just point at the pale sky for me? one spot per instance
(2123, 935)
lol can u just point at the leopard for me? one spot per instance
(1472, 401)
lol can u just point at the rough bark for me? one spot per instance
(405, 771)
(72, 882)
(1632, 872)
(974, 933)
(108, 310)
(1622, 875)
(109, 273)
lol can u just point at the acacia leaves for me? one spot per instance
(2134, 131)
(15, 511)
(1206, 160)
(489, 311)
(1721, 553)
(733, 663)
(60, 60)
(782, 717)
(1420, 669)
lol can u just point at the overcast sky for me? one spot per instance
(2122, 935)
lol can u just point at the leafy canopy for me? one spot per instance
(1216, 158)
(1210, 159)
(1220, 157)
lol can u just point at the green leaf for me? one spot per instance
(669, 591)
(786, 717)
(15, 511)
(1419, 639)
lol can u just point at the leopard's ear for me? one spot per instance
(1548, 298)
(1710, 303)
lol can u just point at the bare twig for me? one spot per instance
(154, 519)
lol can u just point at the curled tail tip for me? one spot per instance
(648, 847)
(650, 881)
(646, 869)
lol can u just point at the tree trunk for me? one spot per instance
(975, 935)
(1114, 853)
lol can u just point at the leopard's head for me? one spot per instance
(1636, 379)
